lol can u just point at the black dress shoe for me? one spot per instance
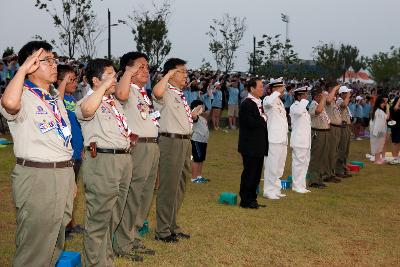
(167, 239)
(256, 205)
(181, 235)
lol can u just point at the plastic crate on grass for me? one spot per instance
(358, 163)
(353, 168)
(285, 184)
(228, 198)
(69, 259)
(145, 228)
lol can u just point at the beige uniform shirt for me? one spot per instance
(102, 127)
(173, 114)
(334, 113)
(345, 112)
(318, 121)
(141, 124)
(34, 131)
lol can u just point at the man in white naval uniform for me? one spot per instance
(277, 125)
(300, 139)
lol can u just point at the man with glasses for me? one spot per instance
(43, 178)
(139, 112)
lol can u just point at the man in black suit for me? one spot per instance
(253, 143)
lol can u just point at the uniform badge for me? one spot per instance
(45, 127)
(103, 110)
(142, 109)
(40, 110)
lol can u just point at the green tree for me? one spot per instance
(70, 22)
(91, 32)
(225, 37)
(385, 68)
(205, 65)
(150, 32)
(327, 57)
(8, 52)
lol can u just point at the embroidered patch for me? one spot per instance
(44, 127)
(104, 110)
(40, 110)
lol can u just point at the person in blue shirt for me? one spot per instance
(366, 113)
(358, 115)
(66, 86)
(233, 104)
(216, 108)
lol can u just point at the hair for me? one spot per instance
(31, 47)
(129, 58)
(62, 70)
(252, 83)
(172, 63)
(196, 103)
(377, 105)
(95, 68)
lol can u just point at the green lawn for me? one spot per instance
(353, 223)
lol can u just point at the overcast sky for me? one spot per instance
(371, 25)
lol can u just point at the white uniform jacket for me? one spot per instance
(276, 119)
(301, 124)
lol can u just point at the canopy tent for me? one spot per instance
(362, 76)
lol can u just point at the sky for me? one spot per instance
(371, 25)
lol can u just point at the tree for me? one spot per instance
(91, 33)
(9, 51)
(70, 22)
(385, 68)
(225, 37)
(205, 65)
(327, 57)
(150, 32)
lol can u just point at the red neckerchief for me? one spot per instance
(148, 102)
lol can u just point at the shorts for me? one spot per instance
(199, 151)
(395, 135)
(233, 110)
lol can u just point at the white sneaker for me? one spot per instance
(271, 197)
(358, 139)
(280, 195)
(395, 161)
(302, 191)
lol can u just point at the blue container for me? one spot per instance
(289, 178)
(228, 198)
(358, 163)
(144, 229)
(69, 259)
(285, 184)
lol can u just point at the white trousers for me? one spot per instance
(300, 161)
(274, 165)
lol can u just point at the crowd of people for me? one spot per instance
(124, 129)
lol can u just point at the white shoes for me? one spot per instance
(280, 195)
(302, 191)
(276, 196)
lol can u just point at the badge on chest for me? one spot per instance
(45, 126)
(40, 110)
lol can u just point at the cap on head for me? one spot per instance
(344, 89)
(276, 82)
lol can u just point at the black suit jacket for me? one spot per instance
(253, 133)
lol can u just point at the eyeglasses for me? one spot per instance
(49, 60)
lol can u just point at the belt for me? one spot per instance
(148, 140)
(320, 130)
(111, 151)
(178, 136)
(337, 125)
(45, 165)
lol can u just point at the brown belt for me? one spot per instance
(337, 125)
(178, 136)
(320, 130)
(111, 151)
(148, 140)
(45, 165)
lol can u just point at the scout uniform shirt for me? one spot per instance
(37, 133)
(320, 121)
(175, 118)
(102, 128)
(346, 114)
(334, 113)
(139, 112)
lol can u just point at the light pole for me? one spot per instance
(109, 33)
(285, 18)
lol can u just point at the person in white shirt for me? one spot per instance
(300, 139)
(378, 128)
(277, 125)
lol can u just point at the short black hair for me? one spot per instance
(95, 68)
(172, 63)
(252, 83)
(196, 103)
(64, 69)
(128, 59)
(31, 47)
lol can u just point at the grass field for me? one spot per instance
(353, 223)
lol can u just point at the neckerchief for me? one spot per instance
(185, 104)
(148, 103)
(259, 105)
(121, 119)
(52, 105)
(324, 116)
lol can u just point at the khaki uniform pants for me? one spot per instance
(145, 159)
(174, 172)
(43, 199)
(333, 149)
(106, 178)
(343, 152)
(319, 156)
